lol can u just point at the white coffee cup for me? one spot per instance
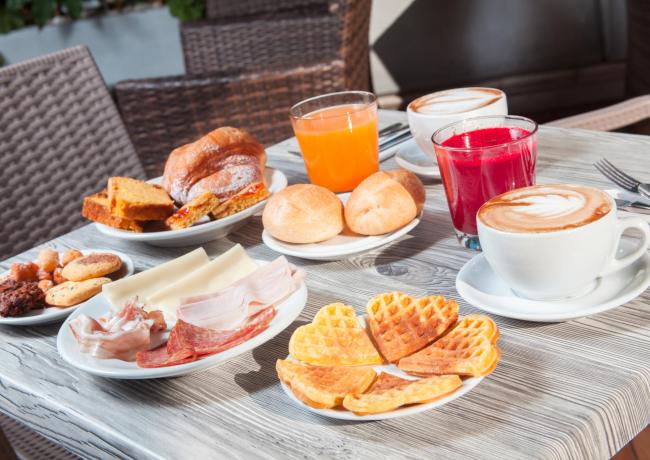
(428, 113)
(562, 263)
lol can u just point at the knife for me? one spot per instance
(632, 206)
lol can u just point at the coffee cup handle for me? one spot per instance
(625, 224)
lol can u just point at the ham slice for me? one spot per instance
(228, 308)
(188, 342)
(119, 334)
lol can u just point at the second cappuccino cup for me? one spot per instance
(549, 242)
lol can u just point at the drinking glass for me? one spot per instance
(480, 158)
(337, 133)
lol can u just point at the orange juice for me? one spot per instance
(339, 145)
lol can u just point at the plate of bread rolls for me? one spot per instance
(209, 188)
(311, 222)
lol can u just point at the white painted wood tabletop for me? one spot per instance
(579, 389)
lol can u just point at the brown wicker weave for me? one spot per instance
(164, 113)
(288, 33)
(61, 138)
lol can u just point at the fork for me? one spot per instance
(623, 180)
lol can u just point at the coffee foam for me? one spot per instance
(452, 101)
(545, 208)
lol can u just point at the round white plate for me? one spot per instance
(52, 314)
(287, 312)
(344, 414)
(200, 232)
(410, 157)
(342, 246)
(480, 286)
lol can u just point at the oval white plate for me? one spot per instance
(410, 157)
(201, 232)
(343, 414)
(342, 246)
(480, 286)
(287, 312)
(52, 314)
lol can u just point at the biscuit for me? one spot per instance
(93, 265)
(73, 292)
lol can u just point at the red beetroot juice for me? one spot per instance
(479, 164)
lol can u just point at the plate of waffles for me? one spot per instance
(405, 356)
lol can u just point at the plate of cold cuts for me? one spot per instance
(139, 341)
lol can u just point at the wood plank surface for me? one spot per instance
(578, 389)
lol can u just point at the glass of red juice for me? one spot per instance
(480, 158)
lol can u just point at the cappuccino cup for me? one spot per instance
(428, 113)
(549, 242)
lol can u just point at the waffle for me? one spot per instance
(334, 338)
(468, 349)
(402, 325)
(323, 387)
(390, 392)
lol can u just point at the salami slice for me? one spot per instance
(188, 342)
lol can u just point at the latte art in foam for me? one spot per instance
(454, 101)
(545, 208)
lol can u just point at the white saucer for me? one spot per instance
(343, 246)
(52, 314)
(344, 414)
(410, 157)
(200, 232)
(287, 311)
(481, 287)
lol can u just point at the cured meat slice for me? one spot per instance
(188, 342)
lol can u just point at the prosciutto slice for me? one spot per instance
(228, 308)
(118, 335)
(188, 342)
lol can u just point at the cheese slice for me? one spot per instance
(229, 267)
(154, 279)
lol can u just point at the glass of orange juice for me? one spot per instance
(337, 133)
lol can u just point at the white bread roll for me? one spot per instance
(384, 202)
(303, 213)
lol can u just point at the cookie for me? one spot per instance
(91, 266)
(74, 292)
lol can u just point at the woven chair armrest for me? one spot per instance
(609, 118)
(239, 8)
(163, 113)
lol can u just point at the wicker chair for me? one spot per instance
(61, 138)
(163, 113)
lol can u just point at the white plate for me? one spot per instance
(342, 246)
(201, 232)
(480, 286)
(287, 312)
(52, 314)
(343, 414)
(410, 157)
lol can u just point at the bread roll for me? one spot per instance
(303, 213)
(384, 202)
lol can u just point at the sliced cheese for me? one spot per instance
(154, 279)
(229, 267)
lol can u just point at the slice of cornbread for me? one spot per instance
(96, 208)
(242, 200)
(136, 199)
(193, 211)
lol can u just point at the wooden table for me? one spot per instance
(578, 389)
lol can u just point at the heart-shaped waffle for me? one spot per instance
(390, 392)
(334, 338)
(402, 325)
(323, 387)
(468, 349)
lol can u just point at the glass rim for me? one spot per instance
(364, 106)
(485, 117)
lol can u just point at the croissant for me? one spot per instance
(227, 162)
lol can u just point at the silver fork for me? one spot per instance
(623, 180)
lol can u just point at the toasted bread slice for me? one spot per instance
(189, 214)
(96, 208)
(138, 200)
(242, 200)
